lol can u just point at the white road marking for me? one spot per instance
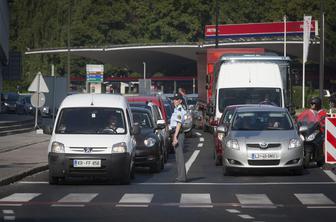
(71, 199)
(254, 200)
(239, 184)
(201, 139)
(9, 217)
(191, 160)
(245, 216)
(10, 205)
(330, 174)
(198, 134)
(33, 182)
(135, 200)
(195, 200)
(313, 199)
(200, 145)
(18, 197)
(233, 211)
(321, 207)
(68, 205)
(7, 211)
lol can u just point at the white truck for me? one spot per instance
(251, 79)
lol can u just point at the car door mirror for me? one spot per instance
(222, 129)
(135, 129)
(161, 124)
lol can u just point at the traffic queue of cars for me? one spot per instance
(105, 135)
(21, 104)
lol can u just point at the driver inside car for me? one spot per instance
(112, 125)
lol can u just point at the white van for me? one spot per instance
(251, 79)
(93, 135)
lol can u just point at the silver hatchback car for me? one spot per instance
(261, 137)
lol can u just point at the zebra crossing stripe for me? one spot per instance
(75, 200)
(196, 200)
(255, 201)
(201, 139)
(135, 200)
(313, 199)
(16, 199)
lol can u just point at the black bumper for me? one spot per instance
(113, 166)
(145, 156)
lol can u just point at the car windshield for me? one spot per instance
(234, 96)
(12, 97)
(91, 121)
(168, 110)
(191, 101)
(262, 120)
(143, 119)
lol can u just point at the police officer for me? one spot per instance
(176, 123)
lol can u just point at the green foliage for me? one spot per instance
(45, 24)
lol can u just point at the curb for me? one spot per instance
(23, 174)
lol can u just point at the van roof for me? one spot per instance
(94, 100)
(254, 57)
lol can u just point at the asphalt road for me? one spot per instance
(208, 195)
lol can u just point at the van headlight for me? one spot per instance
(294, 143)
(57, 147)
(232, 144)
(119, 147)
(149, 142)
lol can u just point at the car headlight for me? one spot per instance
(312, 136)
(57, 147)
(45, 109)
(6, 104)
(294, 143)
(220, 136)
(119, 147)
(232, 144)
(149, 142)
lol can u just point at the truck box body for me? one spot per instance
(250, 79)
(205, 67)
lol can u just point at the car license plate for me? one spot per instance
(86, 163)
(264, 156)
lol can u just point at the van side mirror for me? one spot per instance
(161, 124)
(135, 129)
(47, 129)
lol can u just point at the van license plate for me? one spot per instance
(264, 156)
(86, 163)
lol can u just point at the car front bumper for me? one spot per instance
(286, 158)
(145, 156)
(113, 166)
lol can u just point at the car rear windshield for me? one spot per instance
(91, 121)
(143, 118)
(262, 121)
(234, 96)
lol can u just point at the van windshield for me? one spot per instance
(91, 121)
(234, 96)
